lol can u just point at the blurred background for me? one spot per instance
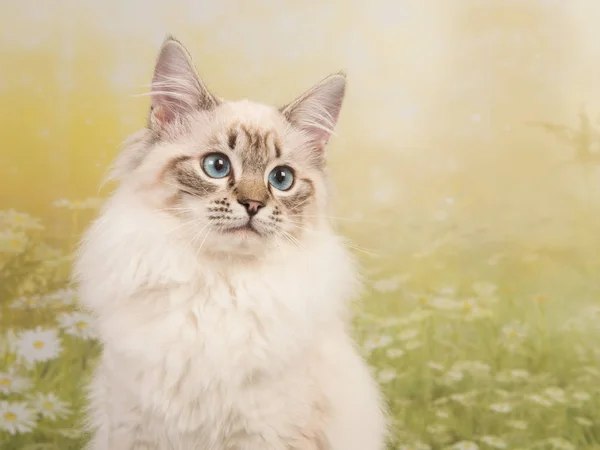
(466, 174)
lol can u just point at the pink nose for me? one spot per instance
(252, 206)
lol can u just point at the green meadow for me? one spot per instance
(475, 347)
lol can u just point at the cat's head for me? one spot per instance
(239, 176)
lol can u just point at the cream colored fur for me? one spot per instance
(224, 345)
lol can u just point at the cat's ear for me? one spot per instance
(176, 88)
(316, 112)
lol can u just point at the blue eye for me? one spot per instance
(281, 178)
(216, 165)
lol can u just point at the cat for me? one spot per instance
(219, 290)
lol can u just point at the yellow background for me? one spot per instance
(476, 219)
(439, 93)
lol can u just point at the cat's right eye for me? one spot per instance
(216, 165)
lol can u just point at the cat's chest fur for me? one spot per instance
(231, 325)
(223, 340)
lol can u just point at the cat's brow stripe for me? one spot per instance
(171, 167)
(188, 177)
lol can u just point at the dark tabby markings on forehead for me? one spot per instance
(297, 203)
(253, 137)
(189, 178)
(232, 140)
(259, 145)
(277, 147)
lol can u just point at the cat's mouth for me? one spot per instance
(243, 230)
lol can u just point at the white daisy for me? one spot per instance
(560, 444)
(70, 433)
(581, 396)
(62, 203)
(408, 335)
(556, 394)
(79, 325)
(445, 304)
(584, 421)
(16, 417)
(413, 345)
(418, 315)
(387, 375)
(452, 376)
(475, 368)
(502, 393)
(50, 406)
(63, 296)
(502, 408)
(435, 366)
(32, 301)
(13, 241)
(91, 203)
(416, 446)
(484, 288)
(389, 322)
(540, 400)
(465, 445)
(513, 334)
(48, 255)
(517, 424)
(519, 374)
(21, 221)
(478, 313)
(394, 353)
(11, 383)
(38, 345)
(465, 399)
(493, 441)
(386, 285)
(437, 428)
(441, 401)
(514, 375)
(442, 414)
(448, 290)
(377, 341)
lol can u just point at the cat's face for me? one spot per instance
(237, 177)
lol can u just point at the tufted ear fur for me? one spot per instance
(176, 87)
(316, 112)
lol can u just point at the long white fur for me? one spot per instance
(213, 351)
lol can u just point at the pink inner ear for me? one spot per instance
(175, 84)
(161, 114)
(317, 111)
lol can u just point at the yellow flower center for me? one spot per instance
(10, 417)
(81, 325)
(38, 345)
(5, 382)
(423, 300)
(15, 243)
(48, 405)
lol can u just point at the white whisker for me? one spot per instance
(345, 241)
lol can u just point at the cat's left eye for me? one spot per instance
(282, 178)
(216, 165)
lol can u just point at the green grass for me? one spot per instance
(474, 348)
